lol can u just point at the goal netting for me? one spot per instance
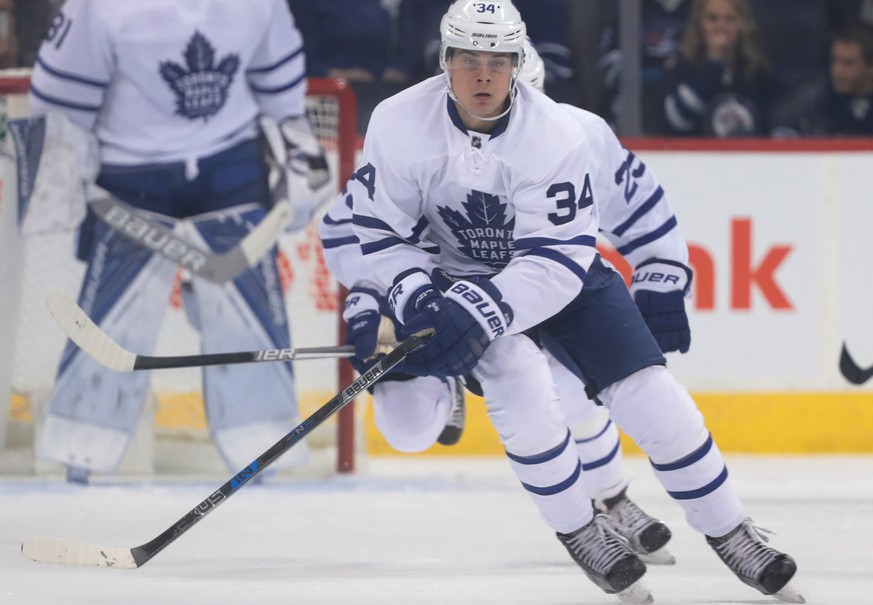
(172, 436)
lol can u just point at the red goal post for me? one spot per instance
(314, 299)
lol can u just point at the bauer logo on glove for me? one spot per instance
(659, 288)
(491, 316)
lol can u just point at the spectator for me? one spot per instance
(848, 105)
(722, 83)
(840, 105)
(596, 55)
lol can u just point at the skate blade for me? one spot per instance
(637, 593)
(662, 556)
(790, 594)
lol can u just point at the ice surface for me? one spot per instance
(412, 530)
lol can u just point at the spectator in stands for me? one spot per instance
(596, 54)
(722, 83)
(843, 104)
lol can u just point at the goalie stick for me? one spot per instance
(851, 370)
(96, 343)
(66, 552)
(217, 268)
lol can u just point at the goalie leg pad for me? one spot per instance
(56, 159)
(93, 411)
(255, 403)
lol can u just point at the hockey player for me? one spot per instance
(413, 412)
(495, 184)
(172, 91)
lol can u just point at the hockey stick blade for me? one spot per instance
(217, 268)
(97, 344)
(851, 371)
(66, 552)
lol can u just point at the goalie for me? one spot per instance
(170, 93)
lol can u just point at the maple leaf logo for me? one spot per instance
(485, 233)
(200, 86)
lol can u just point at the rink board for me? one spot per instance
(778, 233)
(773, 423)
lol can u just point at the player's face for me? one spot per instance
(480, 81)
(849, 73)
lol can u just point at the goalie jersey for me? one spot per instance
(518, 203)
(111, 67)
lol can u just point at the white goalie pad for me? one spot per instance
(299, 173)
(56, 160)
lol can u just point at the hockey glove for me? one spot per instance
(659, 288)
(368, 328)
(465, 321)
(299, 172)
(411, 292)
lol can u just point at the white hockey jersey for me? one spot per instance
(518, 204)
(170, 80)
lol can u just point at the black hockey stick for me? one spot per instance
(66, 552)
(96, 343)
(215, 267)
(851, 371)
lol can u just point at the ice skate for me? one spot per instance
(647, 536)
(454, 428)
(758, 565)
(605, 557)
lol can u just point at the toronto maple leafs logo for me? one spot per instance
(200, 86)
(484, 234)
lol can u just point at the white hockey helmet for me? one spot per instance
(483, 26)
(534, 70)
(486, 27)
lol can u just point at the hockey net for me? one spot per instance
(172, 437)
